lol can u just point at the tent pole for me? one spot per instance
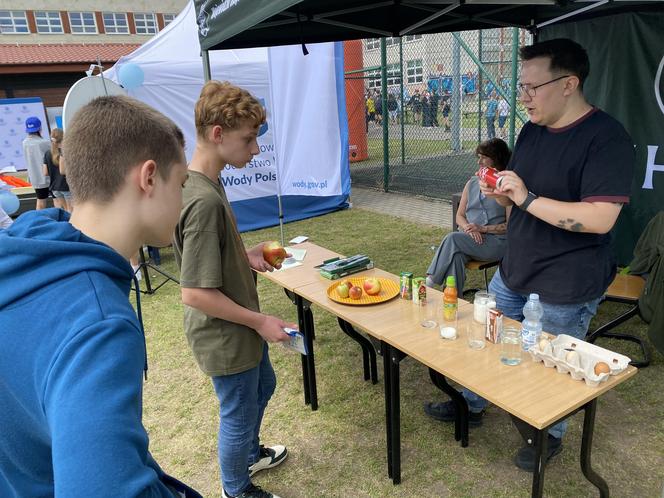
(385, 123)
(207, 76)
(515, 66)
(480, 87)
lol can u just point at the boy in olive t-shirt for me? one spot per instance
(223, 323)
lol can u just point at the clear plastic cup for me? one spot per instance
(448, 326)
(428, 314)
(510, 346)
(476, 335)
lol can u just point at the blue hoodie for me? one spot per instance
(71, 359)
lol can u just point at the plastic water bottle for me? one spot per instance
(531, 326)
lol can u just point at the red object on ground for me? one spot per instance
(355, 103)
(13, 181)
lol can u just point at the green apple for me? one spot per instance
(343, 290)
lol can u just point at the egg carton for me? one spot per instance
(581, 366)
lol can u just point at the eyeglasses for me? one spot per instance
(531, 91)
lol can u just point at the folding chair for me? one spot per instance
(624, 289)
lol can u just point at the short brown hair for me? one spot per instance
(497, 150)
(565, 56)
(226, 105)
(109, 136)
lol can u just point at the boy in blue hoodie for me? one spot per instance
(70, 381)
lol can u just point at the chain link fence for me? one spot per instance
(414, 126)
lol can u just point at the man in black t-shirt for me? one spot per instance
(570, 174)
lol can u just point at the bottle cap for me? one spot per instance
(534, 297)
(451, 281)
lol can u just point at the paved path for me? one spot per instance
(412, 208)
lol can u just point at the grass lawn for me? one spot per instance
(415, 148)
(339, 450)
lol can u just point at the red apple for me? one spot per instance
(342, 289)
(347, 283)
(273, 253)
(355, 292)
(371, 286)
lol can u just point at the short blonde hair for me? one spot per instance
(226, 105)
(108, 137)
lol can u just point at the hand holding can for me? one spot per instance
(490, 176)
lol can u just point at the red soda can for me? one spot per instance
(490, 176)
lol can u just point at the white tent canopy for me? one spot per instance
(305, 142)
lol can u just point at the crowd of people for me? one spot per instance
(428, 106)
(71, 382)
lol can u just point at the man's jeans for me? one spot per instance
(570, 319)
(242, 401)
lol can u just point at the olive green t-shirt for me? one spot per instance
(211, 255)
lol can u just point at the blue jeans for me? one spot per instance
(571, 319)
(242, 401)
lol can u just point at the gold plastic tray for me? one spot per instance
(388, 290)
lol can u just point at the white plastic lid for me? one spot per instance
(534, 297)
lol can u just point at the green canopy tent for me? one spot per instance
(225, 24)
(623, 38)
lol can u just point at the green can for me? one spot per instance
(406, 279)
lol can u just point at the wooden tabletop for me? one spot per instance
(534, 393)
(375, 318)
(530, 391)
(291, 278)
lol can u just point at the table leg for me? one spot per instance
(541, 445)
(368, 351)
(395, 405)
(311, 364)
(386, 351)
(461, 421)
(299, 303)
(586, 446)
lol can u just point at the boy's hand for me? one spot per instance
(256, 261)
(272, 329)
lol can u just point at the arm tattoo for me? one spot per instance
(499, 229)
(570, 225)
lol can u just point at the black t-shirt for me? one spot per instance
(589, 160)
(58, 181)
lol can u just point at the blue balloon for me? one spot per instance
(131, 76)
(9, 202)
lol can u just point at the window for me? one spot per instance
(82, 23)
(48, 22)
(13, 21)
(115, 23)
(146, 23)
(408, 38)
(414, 71)
(168, 18)
(393, 76)
(372, 43)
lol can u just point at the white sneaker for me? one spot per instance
(268, 457)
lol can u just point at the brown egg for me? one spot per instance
(601, 367)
